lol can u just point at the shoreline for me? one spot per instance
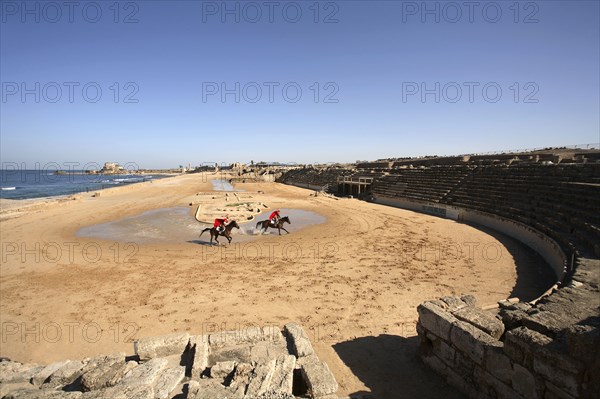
(58, 196)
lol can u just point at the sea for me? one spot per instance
(24, 184)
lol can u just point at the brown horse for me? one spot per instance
(265, 224)
(225, 233)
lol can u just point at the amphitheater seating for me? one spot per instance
(560, 200)
(317, 178)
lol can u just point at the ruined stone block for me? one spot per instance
(211, 389)
(121, 392)
(40, 377)
(469, 300)
(262, 352)
(27, 393)
(146, 373)
(560, 378)
(299, 338)
(237, 353)
(199, 348)
(106, 374)
(260, 378)
(168, 381)
(166, 345)
(319, 379)
(242, 375)
(494, 387)
(471, 340)
(520, 342)
(6, 387)
(523, 381)
(498, 364)
(222, 370)
(436, 320)
(553, 392)
(65, 375)
(283, 376)
(454, 303)
(17, 373)
(444, 351)
(482, 320)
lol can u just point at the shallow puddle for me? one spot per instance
(177, 225)
(222, 185)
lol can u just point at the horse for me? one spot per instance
(226, 233)
(265, 224)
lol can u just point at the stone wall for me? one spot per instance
(253, 363)
(518, 350)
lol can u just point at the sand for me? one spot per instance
(353, 282)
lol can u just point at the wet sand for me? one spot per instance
(353, 281)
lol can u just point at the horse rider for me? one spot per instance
(220, 224)
(274, 218)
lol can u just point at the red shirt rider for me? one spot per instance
(274, 215)
(221, 222)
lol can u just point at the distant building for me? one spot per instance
(111, 167)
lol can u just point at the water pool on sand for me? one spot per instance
(177, 225)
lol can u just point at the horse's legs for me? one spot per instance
(285, 230)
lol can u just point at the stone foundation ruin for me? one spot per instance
(252, 363)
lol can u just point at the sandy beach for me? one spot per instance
(353, 281)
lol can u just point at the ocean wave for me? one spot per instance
(7, 188)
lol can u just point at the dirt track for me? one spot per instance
(353, 282)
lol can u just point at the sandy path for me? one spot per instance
(354, 282)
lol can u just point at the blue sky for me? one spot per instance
(361, 68)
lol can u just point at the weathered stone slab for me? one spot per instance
(471, 340)
(260, 378)
(482, 320)
(238, 353)
(262, 352)
(210, 389)
(40, 377)
(436, 320)
(146, 373)
(27, 393)
(553, 392)
(283, 375)
(105, 374)
(248, 335)
(319, 379)
(454, 303)
(470, 300)
(444, 351)
(241, 376)
(65, 375)
(273, 334)
(17, 372)
(168, 381)
(6, 387)
(222, 370)
(562, 379)
(199, 347)
(166, 345)
(519, 343)
(484, 381)
(579, 341)
(121, 392)
(300, 341)
(498, 364)
(523, 381)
